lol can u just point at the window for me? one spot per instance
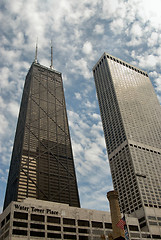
(67, 229)
(37, 234)
(6, 234)
(20, 224)
(54, 228)
(38, 218)
(19, 232)
(152, 223)
(21, 215)
(151, 217)
(81, 230)
(8, 217)
(53, 219)
(141, 219)
(135, 235)
(156, 236)
(66, 236)
(54, 235)
(37, 226)
(83, 223)
(83, 238)
(97, 224)
(2, 223)
(133, 228)
(69, 221)
(108, 225)
(142, 225)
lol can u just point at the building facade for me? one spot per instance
(131, 118)
(42, 165)
(36, 219)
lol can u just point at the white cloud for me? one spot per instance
(117, 25)
(151, 11)
(3, 124)
(95, 153)
(148, 61)
(15, 6)
(110, 8)
(136, 30)
(134, 42)
(6, 157)
(13, 108)
(90, 104)
(89, 196)
(80, 66)
(136, 34)
(3, 179)
(157, 50)
(158, 83)
(78, 150)
(78, 96)
(77, 33)
(5, 73)
(1, 172)
(87, 47)
(2, 103)
(95, 116)
(153, 74)
(153, 39)
(159, 98)
(99, 29)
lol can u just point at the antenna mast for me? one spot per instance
(51, 66)
(35, 61)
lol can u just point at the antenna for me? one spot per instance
(51, 66)
(35, 61)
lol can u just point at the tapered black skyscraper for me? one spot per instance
(42, 165)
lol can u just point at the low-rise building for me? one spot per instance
(36, 219)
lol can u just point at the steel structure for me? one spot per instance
(42, 165)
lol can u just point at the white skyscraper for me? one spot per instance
(131, 117)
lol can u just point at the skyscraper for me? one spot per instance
(42, 165)
(42, 176)
(131, 117)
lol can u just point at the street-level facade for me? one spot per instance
(36, 219)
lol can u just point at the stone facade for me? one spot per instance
(36, 219)
(131, 118)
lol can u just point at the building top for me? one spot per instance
(36, 206)
(119, 61)
(36, 55)
(46, 68)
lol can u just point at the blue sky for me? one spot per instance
(81, 32)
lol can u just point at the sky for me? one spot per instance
(81, 31)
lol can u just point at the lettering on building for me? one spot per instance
(36, 210)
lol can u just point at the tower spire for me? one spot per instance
(51, 66)
(36, 61)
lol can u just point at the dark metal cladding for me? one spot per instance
(42, 164)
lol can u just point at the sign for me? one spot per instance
(36, 210)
